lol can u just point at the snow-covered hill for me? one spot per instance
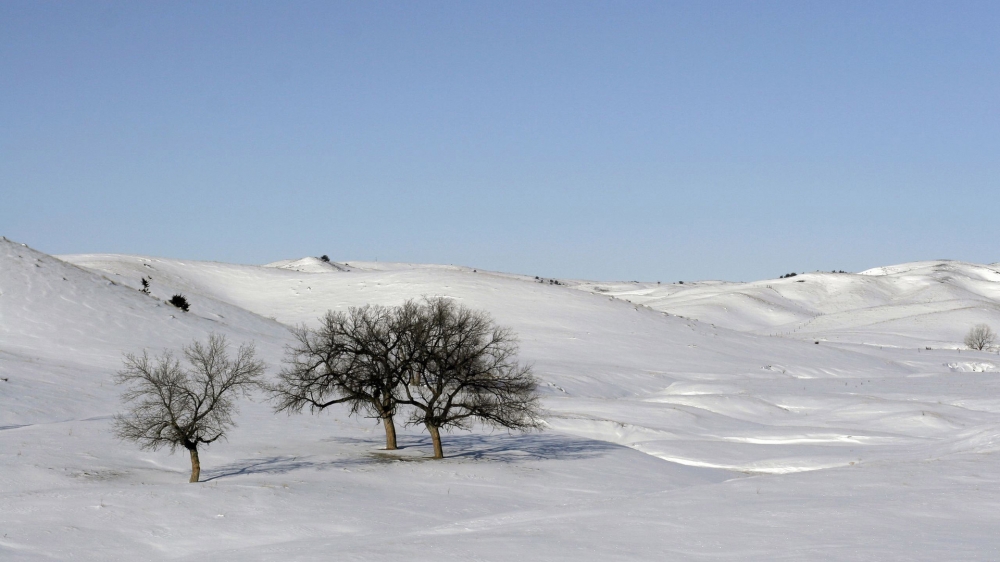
(309, 265)
(694, 437)
(913, 305)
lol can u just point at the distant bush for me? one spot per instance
(980, 337)
(787, 275)
(180, 302)
(145, 285)
(325, 258)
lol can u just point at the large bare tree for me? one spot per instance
(466, 372)
(358, 359)
(170, 406)
(980, 337)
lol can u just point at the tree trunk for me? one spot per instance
(390, 432)
(436, 438)
(195, 465)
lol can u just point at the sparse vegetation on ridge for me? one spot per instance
(180, 301)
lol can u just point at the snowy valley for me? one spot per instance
(826, 416)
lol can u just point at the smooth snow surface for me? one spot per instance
(686, 422)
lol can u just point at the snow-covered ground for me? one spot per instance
(686, 422)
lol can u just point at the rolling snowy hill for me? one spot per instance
(910, 305)
(687, 422)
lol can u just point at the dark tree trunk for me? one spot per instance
(390, 432)
(195, 465)
(436, 438)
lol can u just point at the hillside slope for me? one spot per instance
(63, 330)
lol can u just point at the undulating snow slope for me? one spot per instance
(922, 304)
(669, 438)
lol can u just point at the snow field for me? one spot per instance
(670, 438)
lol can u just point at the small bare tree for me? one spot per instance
(980, 337)
(358, 359)
(466, 372)
(169, 406)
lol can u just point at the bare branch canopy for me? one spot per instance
(980, 337)
(170, 406)
(448, 365)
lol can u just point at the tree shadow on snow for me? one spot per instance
(472, 447)
(512, 448)
(278, 465)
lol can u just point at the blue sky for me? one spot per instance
(607, 140)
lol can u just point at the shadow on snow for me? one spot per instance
(501, 448)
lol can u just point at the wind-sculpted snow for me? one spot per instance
(668, 437)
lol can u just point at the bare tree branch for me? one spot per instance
(357, 359)
(466, 371)
(980, 337)
(168, 406)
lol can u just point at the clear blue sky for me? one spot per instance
(611, 140)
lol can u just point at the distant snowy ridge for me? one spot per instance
(931, 303)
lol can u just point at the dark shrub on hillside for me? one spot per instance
(180, 302)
